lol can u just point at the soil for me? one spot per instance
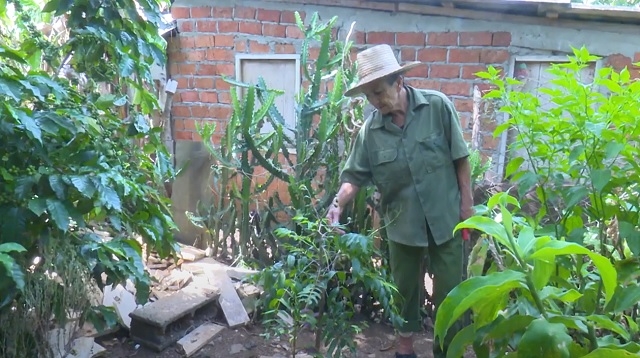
(376, 341)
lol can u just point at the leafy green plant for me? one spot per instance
(563, 281)
(68, 163)
(312, 287)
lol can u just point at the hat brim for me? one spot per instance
(357, 88)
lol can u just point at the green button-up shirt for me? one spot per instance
(412, 167)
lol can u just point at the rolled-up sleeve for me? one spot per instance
(357, 169)
(451, 121)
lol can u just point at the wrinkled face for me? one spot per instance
(383, 96)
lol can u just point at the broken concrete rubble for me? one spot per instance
(185, 293)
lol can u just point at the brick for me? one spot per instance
(294, 32)
(203, 82)
(444, 71)
(434, 54)
(257, 47)
(454, 88)
(221, 84)
(314, 53)
(178, 124)
(195, 55)
(442, 38)
(469, 71)
(424, 83)
(222, 12)
(463, 104)
(226, 69)
(183, 82)
(201, 12)
(186, 42)
(240, 46)
(207, 26)
(242, 12)
(501, 39)
(494, 56)
(489, 142)
(186, 69)
(619, 61)
(457, 55)
(209, 97)
(224, 40)
(221, 112)
(228, 26)
(204, 41)
(186, 25)
(418, 71)
(253, 28)
(411, 39)
(274, 30)
(285, 48)
(476, 38)
(183, 135)
(189, 124)
(180, 12)
(636, 57)
(224, 97)
(288, 17)
(206, 70)
(268, 15)
(377, 37)
(408, 54)
(180, 111)
(358, 37)
(201, 111)
(220, 54)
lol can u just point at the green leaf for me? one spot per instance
(84, 185)
(609, 353)
(625, 298)
(486, 225)
(58, 212)
(38, 206)
(57, 185)
(461, 341)
(600, 178)
(14, 271)
(629, 233)
(27, 122)
(542, 271)
(544, 339)
(607, 271)
(606, 323)
(513, 166)
(11, 247)
(556, 293)
(472, 291)
(9, 53)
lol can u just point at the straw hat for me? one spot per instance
(374, 63)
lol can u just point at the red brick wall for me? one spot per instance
(211, 36)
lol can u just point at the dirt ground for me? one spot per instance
(246, 342)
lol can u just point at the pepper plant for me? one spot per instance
(561, 282)
(312, 287)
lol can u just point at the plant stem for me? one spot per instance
(318, 333)
(592, 338)
(525, 269)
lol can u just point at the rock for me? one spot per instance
(236, 348)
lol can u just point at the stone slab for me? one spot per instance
(230, 302)
(171, 308)
(198, 338)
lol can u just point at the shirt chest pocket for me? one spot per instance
(384, 164)
(434, 149)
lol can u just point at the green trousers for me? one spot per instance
(444, 262)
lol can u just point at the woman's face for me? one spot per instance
(383, 96)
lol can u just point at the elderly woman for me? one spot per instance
(411, 148)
